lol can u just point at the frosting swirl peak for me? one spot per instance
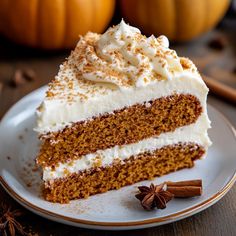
(126, 58)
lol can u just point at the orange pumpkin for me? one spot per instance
(53, 24)
(179, 20)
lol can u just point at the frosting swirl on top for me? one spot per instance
(126, 58)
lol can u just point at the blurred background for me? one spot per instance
(37, 35)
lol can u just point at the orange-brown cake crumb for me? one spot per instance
(137, 168)
(125, 126)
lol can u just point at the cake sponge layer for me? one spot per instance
(122, 127)
(137, 168)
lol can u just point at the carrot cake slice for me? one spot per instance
(123, 108)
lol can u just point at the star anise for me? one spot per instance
(154, 196)
(8, 223)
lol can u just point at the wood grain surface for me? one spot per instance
(220, 219)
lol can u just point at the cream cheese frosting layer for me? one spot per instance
(194, 133)
(54, 115)
(118, 69)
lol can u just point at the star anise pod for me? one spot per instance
(8, 223)
(154, 196)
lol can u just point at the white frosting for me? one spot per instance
(196, 133)
(115, 70)
(56, 114)
(135, 61)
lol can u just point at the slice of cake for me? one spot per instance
(123, 108)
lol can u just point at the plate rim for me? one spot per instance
(156, 220)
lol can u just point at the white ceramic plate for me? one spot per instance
(117, 209)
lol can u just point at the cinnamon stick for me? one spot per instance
(187, 188)
(195, 182)
(185, 191)
(220, 89)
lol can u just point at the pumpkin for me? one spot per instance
(179, 20)
(53, 24)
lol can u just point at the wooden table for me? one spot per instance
(219, 219)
